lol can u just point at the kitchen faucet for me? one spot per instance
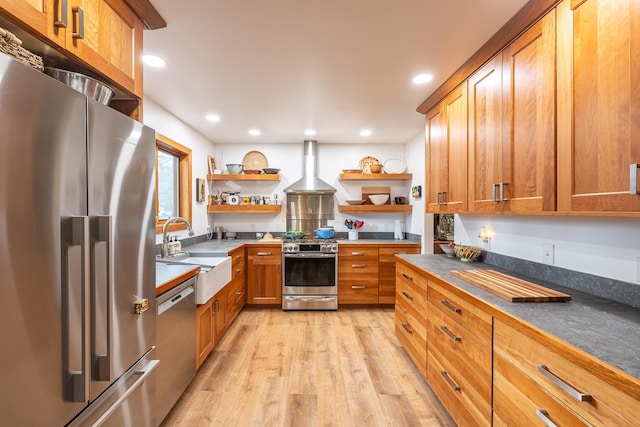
(165, 240)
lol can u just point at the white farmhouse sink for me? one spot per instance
(215, 273)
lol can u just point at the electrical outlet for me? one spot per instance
(548, 251)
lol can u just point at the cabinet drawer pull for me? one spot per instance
(238, 295)
(544, 416)
(453, 385)
(358, 287)
(581, 397)
(78, 24)
(633, 178)
(358, 265)
(407, 296)
(238, 271)
(450, 307)
(61, 13)
(238, 257)
(406, 327)
(264, 254)
(357, 253)
(406, 276)
(450, 334)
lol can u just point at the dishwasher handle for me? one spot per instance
(175, 300)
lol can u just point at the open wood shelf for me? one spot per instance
(243, 208)
(244, 177)
(375, 208)
(375, 176)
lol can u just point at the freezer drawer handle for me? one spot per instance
(144, 373)
(581, 397)
(544, 416)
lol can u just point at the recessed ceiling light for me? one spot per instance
(153, 61)
(365, 132)
(254, 132)
(310, 132)
(421, 79)
(213, 118)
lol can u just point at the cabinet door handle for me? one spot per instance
(450, 307)
(407, 296)
(406, 276)
(452, 384)
(493, 192)
(450, 334)
(502, 185)
(544, 416)
(62, 8)
(78, 22)
(439, 199)
(407, 328)
(216, 307)
(633, 178)
(357, 253)
(264, 254)
(444, 198)
(358, 287)
(358, 265)
(581, 397)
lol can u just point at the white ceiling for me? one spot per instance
(337, 66)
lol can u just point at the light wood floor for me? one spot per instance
(309, 368)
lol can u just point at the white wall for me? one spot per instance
(418, 222)
(608, 247)
(167, 124)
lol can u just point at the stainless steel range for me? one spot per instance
(310, 279)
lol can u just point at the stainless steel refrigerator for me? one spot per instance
(77, 276)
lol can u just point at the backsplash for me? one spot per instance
(611, 289)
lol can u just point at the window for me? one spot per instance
(173, 182)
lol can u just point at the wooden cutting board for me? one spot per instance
(510, 288)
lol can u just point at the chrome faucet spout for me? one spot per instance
(165, 240)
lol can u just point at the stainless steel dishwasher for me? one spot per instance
(176, 344)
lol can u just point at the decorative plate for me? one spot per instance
(255, 160)
(394, 165)
(366, 162)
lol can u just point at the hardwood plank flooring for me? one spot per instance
(309, 368)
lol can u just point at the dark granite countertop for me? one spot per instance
(605, 329)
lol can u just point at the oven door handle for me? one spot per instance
(307, 255)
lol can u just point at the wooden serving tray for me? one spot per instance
(510, 288)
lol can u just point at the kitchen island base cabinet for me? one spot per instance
(264, 275)
(387, 270)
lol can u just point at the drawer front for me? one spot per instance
(565, 372)
(453, 395)
(354, 266)
(237, 258)
(358, 290)
(465, 356)
(461, 308)
(412, 295)
(408, 276)
(387, 254)
(412, 334)
(518, 401)
(236, 298)
(347, 251)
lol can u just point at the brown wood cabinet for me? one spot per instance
(357, 274)
(219, 314)
(532, 370)
(45, 18)
(598, 105)
(236, 289)
(446, 161)
(387, 270)
(264, 274)
(204, 331)
(411, 313)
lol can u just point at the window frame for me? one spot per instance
(184, 155)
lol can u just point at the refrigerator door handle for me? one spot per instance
(75, 268)
(102, 288)
(143, 374)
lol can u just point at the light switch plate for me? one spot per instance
(548, 252)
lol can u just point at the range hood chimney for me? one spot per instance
(310, 183)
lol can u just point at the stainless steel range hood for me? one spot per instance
(310, 183)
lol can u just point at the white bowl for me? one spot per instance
(379, 199)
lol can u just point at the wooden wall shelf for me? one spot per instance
(244, 177)
(375, 208)
(243, 208)
(375, 176)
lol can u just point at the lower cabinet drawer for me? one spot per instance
(453, 392)
(236, 298)
(360, 290)
(412, 334)
(518, 401)
(587, 386)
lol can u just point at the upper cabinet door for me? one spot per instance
(447, 154)
(46, 17)
(528, 165)
(107, 35)
(598, 105)
(485, 137)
